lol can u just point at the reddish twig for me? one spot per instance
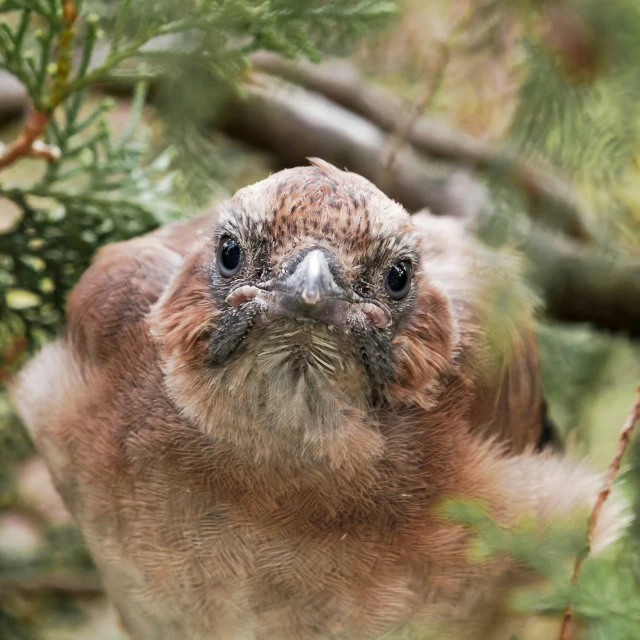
(614, 467)
(23, 146)
(68, 583)
(27, 144)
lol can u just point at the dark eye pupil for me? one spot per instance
(229, 257)
(231, 254)
(399, 280)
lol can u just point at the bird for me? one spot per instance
(258, 416)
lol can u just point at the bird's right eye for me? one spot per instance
(229, 257)
(398, 280)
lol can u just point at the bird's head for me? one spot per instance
(310, 298)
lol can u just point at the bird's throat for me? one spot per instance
(299, 394)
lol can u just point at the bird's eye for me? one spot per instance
(398, 280)
(229, 257)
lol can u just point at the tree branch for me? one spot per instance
(23, 145)
(614, 467)
(430, 91)
(552, 200)
(295, 123)
(581, 284)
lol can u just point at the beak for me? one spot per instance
(312, 282)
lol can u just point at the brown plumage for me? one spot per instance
(259, 448)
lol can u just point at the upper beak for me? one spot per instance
(312, 281)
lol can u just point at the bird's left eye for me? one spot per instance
(398, 280)
(229, 257)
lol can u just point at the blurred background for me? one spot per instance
(520, 117)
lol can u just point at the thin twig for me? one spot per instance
(27, 144)
(39, 149)
(23, 146)
(614, 467)
(68, 583)
(426, 98)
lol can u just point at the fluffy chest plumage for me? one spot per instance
(185, 567)
(194, 542)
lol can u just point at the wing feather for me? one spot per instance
(493, 311)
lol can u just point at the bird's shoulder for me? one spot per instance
(106, 309)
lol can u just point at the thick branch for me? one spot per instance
(585, 285)
(295, 124)
(552, 200)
